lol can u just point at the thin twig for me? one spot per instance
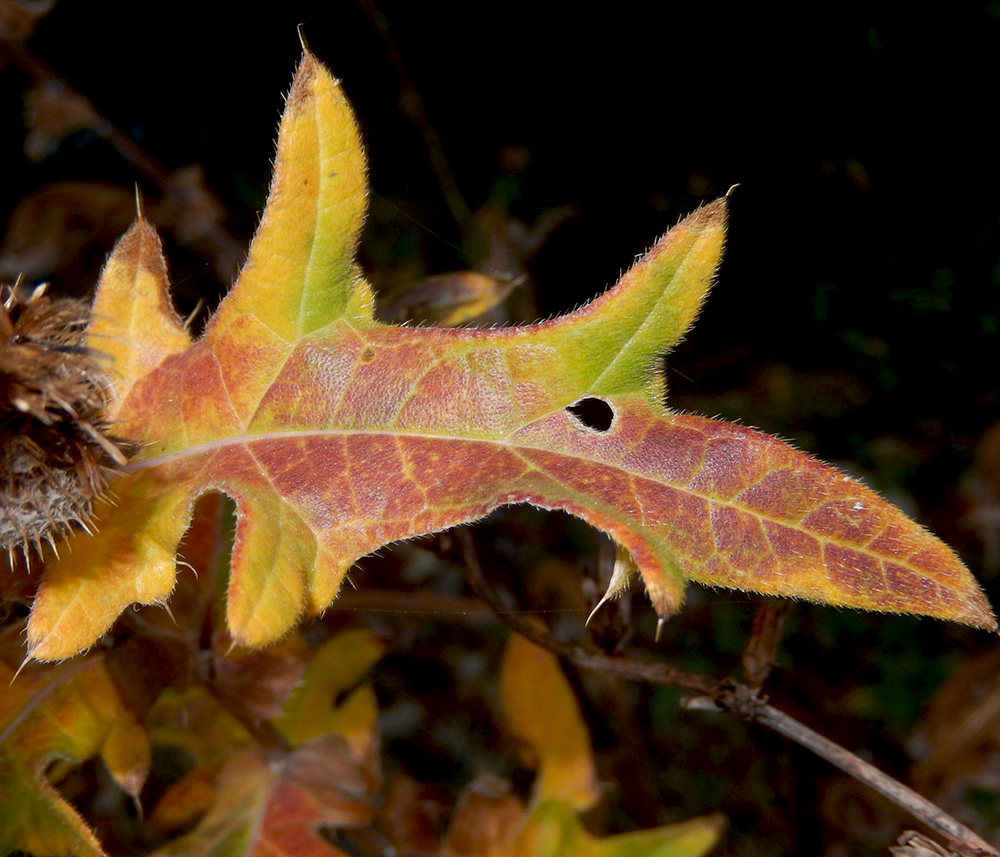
(765, 636)
(736, 697)
(181, 190)
(963, 840)
(418, 604)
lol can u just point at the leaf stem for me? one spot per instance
(765, 637)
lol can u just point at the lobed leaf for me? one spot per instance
(267, 803)
(335, 434)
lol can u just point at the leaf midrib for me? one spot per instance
(202, 449)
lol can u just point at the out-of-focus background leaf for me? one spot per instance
(858, 314)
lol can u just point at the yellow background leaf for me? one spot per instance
(553, 830)
(545, 720)
(337, 666)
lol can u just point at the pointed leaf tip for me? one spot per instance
(760, 516)
(300, 275)
(620, 338)
(134, 320)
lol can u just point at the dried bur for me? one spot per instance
(55, 452)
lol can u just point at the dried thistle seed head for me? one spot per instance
(55, 452)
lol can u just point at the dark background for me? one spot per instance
(857, 312)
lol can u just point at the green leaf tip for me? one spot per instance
(300, 274)
(618, 339)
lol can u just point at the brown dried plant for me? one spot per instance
(55, 452)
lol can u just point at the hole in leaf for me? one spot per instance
(593, 413)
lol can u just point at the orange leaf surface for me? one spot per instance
(335, 434)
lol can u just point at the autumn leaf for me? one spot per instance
(258, 681)
(61, 716)
(335, 434)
